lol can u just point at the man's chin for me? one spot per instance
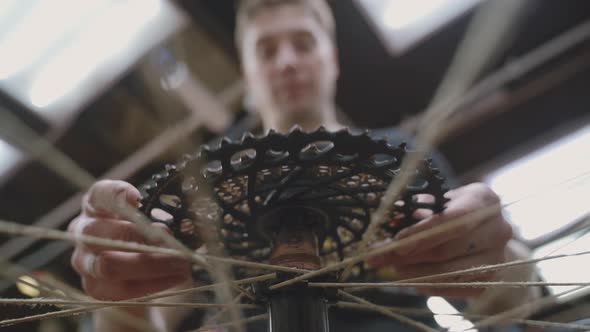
(299, 111)
(299, 108)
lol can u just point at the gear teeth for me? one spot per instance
(143, 194)
(186, 158)
(444, 189)
(247, 137)
(295, 129)
(350, 146)
(437, 180)
(345, 130)
(384, 142)
(225, 142)
(205, 149)
(355, 131)
(150, 186)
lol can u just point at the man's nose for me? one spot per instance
(287, 58)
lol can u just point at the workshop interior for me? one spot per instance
(118, 89)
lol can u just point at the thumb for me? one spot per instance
(111, 198)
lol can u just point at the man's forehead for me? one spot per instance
(280, 20)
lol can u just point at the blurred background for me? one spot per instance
(123, 86)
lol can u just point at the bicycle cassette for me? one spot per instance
(333, 181)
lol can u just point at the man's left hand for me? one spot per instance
(477, 243)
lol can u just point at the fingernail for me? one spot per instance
(117, 203)
(120, 196)
(90, 266)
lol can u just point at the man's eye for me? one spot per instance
(304, 43)
(267, 52)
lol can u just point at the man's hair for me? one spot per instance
(247, 9)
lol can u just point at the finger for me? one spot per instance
(80, 262)
(108, 198)
(123, 290)
(118, 265)
(493, 233)
(113, 229)
(458, 292)
(480, 191)
(488, 257)
(455, 208)
(459, 206)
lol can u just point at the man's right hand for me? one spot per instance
(118, 275)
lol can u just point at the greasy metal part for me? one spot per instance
(299, 200)
(295, 245)
(298, 309)
(337, 179)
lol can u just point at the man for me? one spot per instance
(289, 61)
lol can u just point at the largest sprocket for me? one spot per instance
(333, 180)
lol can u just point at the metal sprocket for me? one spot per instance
(334, 179)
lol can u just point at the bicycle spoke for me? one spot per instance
(430, 135)
(389, 313)
(64, 292)
(473, 284)
(217, 265)
(18, 229)
(408, 241)
(428, 313)
(222, 325)
(221, 312)
(90, 303)
(527, 308)
(493, 267)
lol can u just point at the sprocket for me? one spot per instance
(333, 180)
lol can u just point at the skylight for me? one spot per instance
(58, 54)
(401, 24)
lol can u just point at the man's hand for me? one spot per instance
(481, 242)
(118, 275)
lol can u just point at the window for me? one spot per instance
(551, 185)
(58, 54)
(401, 24)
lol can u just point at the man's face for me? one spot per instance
(289, 62)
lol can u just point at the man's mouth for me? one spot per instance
(293, 90)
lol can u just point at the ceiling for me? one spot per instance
(377, 89)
